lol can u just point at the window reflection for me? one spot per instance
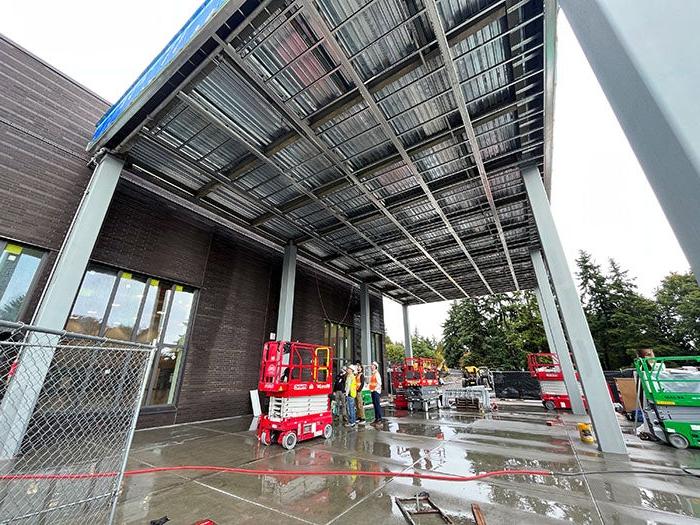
(179, 317)
(125, 307)
(18, 266)
(138, 309)
(340, 338)
(167, 368)
(91, 304)
(153, 315)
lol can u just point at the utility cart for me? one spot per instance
(297, 377)
(671, 405)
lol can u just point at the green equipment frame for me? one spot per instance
(678, 413)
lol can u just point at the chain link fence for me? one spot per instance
(68, 409)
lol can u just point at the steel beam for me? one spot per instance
(55, 304)
(408, 348)
(555, 331)
(285, 312)
(645, 57)
(390, 133)
(600, 406)
(306, 131)
(439, 30)
(365, 326)
(211, 113)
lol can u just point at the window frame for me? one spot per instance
(159, 345)
(32, 288)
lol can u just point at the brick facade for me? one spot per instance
(45, 121)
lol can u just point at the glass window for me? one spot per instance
(18, 266)
(340, 338)
(376, 349)
(179, 317)
(92, 301)
(125, 307)
(153, 315)
(166, 373)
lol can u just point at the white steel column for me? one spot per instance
(593, 382)
(408, 349)
(54, 307)
(644, 54)
(285, 313)
(365, 326)
(555, 332)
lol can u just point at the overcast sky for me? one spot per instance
(601, 201)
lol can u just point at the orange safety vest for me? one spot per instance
(373, 382)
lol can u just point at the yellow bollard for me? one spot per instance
(585, 432)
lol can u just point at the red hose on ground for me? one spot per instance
(260, 472)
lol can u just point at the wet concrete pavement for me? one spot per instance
(516, 437)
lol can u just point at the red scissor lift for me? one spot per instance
(416, 381)
(546, 369)
(297, 377)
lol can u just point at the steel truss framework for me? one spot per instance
(384, 138)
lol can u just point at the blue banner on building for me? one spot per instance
(198, 20)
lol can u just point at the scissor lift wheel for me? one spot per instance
(327, 431)
(265, 438)
(289, 440)
(678, 441)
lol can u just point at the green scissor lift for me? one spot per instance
(672, 405)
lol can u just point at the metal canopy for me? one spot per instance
(383, 137)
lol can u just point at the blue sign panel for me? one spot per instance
(200, 17)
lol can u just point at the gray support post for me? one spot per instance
(54, 307)
(408, 349)
(365, 326)
(593, 382)
(285, 313)
(644, 54)
(555, 332)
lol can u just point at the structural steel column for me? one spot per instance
(365, 326)
(593, 382)
(408, 349)
(54, 307)
(555, 332)
(644, 54)
(285, 313)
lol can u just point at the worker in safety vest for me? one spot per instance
(375, 388)
(359, 400)
(350, 394)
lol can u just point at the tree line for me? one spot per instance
(499, 331)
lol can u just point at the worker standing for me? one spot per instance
(339, 394)
(375, 388)
(350, 394)
(359, 400)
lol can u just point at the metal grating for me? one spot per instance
(350, 128)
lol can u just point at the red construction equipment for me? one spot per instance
(416, 381)
(297, 377)
(546, 369)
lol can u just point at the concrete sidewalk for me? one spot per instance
(517, 437)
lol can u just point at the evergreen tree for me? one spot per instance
(678, 300)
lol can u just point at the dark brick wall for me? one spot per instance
(318, 297)
(46, 120)
(229, 329)
(145, 234)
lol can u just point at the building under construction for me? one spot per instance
(278, 169)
